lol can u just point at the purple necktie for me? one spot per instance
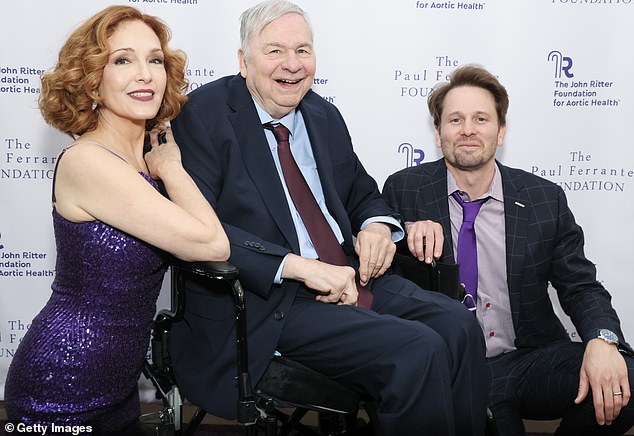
(323, 238)
(467, 256)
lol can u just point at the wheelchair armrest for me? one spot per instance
(228, 273)
(160, 371)
(215, 270)
(437, 276)
(211, 269)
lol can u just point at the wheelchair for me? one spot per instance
(285, 385)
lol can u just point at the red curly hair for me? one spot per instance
(69, 89)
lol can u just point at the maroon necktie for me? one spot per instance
(324, 240)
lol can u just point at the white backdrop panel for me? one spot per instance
(377, 61)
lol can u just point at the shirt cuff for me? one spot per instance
(397, 231)
(278, 275)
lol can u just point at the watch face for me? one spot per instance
(609, 336)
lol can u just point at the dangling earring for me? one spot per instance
(94, 103)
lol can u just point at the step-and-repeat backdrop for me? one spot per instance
(567, 65)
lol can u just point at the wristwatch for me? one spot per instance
(611, 338)
(608, 336)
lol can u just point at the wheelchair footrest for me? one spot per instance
(300, 386)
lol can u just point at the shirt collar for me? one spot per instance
(495, 190)
(287, 120)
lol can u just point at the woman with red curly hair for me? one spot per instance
(115, 87)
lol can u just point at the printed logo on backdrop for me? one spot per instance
(574, 87)
(11, 333)
(420, 82)
(450, 5)
(198, 76)
(21, 161)
(413, 156)
(24, 80)
(592, 2)
(581, 172)
(173, 2)
(22, 264)
(319, 83)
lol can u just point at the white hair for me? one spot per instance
(256, 18)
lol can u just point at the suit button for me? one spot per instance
(278, 315)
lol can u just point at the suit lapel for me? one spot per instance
(516, 211)
(258, 160)
(317, 127)
(434, 201)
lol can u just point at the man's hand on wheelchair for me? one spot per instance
(425, 239)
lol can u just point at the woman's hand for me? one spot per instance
(164, 154)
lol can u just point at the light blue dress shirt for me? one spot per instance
(303, 155)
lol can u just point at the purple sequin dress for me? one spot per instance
(80, 361)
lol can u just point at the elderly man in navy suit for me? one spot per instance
(245, 139)
(525, 238)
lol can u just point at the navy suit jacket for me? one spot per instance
(224, 148)
(543, 244)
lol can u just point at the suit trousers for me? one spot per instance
(418, 353)
(542, 383)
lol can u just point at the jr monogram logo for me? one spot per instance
(413, 156)
(563, 64)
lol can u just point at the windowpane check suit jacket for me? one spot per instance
(544, 245)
